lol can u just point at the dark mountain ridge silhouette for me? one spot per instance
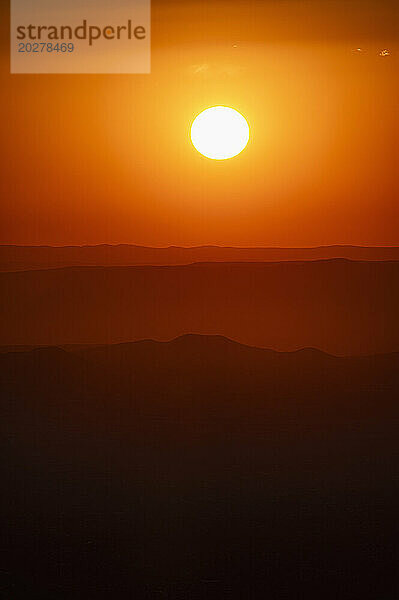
(339, 306)
(17, 258)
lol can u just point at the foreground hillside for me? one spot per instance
(198, 468)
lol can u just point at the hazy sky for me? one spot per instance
(94, 159)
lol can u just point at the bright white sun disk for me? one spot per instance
(219, 132)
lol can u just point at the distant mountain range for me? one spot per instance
(198, 468)
(339, 306)
(17, 258)
(203, 373)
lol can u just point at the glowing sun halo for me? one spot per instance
(219, 132)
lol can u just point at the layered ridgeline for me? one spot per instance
(339, 306)
(198, 468)
(15, 258)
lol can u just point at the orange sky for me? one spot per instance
(108, 159)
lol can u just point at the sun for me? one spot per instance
(219, 132)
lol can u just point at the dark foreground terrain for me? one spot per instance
(198, 469)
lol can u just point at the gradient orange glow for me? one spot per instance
(93, 159)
